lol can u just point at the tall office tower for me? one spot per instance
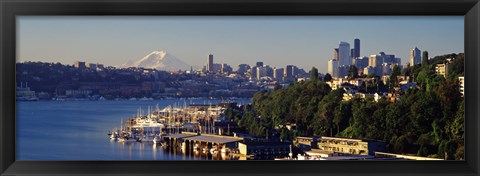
(253, 73)
(344, 54)
(343, 71)
(335, 53)
(259, 64)
(398, 61)
(415, 56)
(360, 62)
(269, 71)
(278, 73)
(352, 52)
(226, 68)
(79, 64)
(261, 72)
(331, 67)
(210, 63)
(242, 69)
(290, 71)
(375, 60)
(356, 47)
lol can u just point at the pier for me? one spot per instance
(194, 141)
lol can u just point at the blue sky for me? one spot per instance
(278, 41)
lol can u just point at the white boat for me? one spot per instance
(196, 147)
(214, 150)
(126, 139)
(114, 136)
(205, 150)
(157, 139)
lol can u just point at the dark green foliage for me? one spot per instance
(327, 77)
(425, 122)
(314, 73)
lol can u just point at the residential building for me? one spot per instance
(351, 146)
(442, 69)
(264, 148)
(461, 80)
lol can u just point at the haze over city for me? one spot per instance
(277, 41)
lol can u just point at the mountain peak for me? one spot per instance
(160, 60)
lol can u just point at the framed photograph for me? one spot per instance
(240, 87)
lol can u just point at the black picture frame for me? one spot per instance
(9, 9)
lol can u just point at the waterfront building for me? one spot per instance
(23, 93)
(344, 54)
(461, 80)
(306, 143)
(415, 56)
(210, 63)
(384, 155)
(79, 65)
(264, 148)
(80, 93)
(351, 146)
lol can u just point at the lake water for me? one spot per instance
(77, 130)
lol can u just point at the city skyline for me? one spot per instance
(277, 41)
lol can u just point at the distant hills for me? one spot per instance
(159, 60)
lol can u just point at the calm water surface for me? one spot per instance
(77, 130)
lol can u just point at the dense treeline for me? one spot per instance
(427, 121)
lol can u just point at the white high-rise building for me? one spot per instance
(261, 72)
(332, 67)
(415, 56)
(344, 54)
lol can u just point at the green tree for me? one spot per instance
(393, 78)
(327, 77)
(314, 74)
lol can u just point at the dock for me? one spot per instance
(187, 140)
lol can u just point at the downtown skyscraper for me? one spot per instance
(415, 56)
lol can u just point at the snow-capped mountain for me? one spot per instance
(159, 60)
